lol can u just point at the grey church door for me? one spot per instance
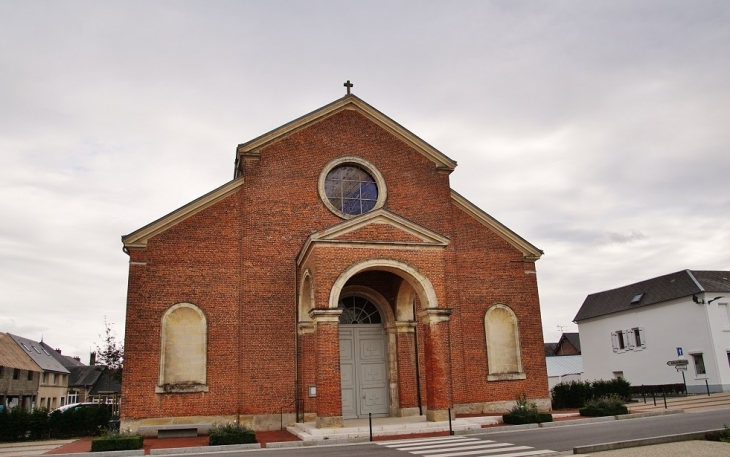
(363, 364)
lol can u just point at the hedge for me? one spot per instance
(18, 424)
(519, 419)
(575, 394)
(117, 442)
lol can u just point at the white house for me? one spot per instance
(633, 331)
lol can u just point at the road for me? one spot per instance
(517, 443)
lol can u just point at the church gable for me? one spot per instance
(252, 149)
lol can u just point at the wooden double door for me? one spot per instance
(364, 371)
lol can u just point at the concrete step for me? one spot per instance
(309, 432)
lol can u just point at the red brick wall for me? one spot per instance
(237, 261)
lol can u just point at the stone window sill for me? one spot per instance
(180, 388)
(506, 376)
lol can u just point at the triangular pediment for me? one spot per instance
(348, 102)
(379, 228)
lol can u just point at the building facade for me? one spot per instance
(681, 318)
(337, 275)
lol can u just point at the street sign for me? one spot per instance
(678, 362)
(681, 367)
(680, 353)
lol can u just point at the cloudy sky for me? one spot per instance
(599, 131)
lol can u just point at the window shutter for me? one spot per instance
(629, 338)
(642, 335)
(614, 341)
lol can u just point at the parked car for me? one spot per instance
(75, 406)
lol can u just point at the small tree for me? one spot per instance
(111, 353)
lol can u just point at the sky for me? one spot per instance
(598, 131)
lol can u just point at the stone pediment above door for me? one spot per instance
(379, 228)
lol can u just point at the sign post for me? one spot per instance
(681, 367)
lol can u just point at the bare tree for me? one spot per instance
(111, 352)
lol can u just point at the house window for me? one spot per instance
(44, 378)
(16, 373)
(2, 371)
(699, 364)
(621, 342)
(73, 396)
(618, 374)
(30, 375)
(183, 350)
(503, 344)
(53, 379)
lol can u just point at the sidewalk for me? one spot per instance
(416, 426)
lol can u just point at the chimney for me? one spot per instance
(92, 359)
(77, 358)
(58, 350)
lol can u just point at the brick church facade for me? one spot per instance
(337, 275)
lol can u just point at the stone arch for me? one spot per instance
(183, 349)
(503, 343)
(420, 284)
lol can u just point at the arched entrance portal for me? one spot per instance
(363, 358)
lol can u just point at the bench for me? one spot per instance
(173, 431)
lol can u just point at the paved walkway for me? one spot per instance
(682, 449)
(686, 448)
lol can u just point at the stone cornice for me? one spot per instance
(530, 252)
(435, 315)
(351, 102)
(138, 238)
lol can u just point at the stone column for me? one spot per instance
(438, 362)
(329, 384)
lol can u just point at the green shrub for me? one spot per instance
(525, 412)
(115, 441)
(576, 394)
(87, 421)
(230, 434)
(609, 405)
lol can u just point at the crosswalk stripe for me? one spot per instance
(414, 446)
(459, 446)
(480, 451)
(424, 440)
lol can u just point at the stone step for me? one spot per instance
(309, 432)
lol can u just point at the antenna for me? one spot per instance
(561, 328)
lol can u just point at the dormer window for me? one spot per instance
(637, 298)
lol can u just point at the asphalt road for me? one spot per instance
(562, 438)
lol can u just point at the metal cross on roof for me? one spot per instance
(348, 84)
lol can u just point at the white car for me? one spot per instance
(74, 406)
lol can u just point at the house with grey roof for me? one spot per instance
(54, 376)
(669, 329)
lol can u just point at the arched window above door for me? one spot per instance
(358, 310)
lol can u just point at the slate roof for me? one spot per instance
(573, 338)
(85, 375)
(550, 349)
(564, 364)
(107, 383)
(12, 356)
(39, 354)
(681, 284)
(66, 361)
